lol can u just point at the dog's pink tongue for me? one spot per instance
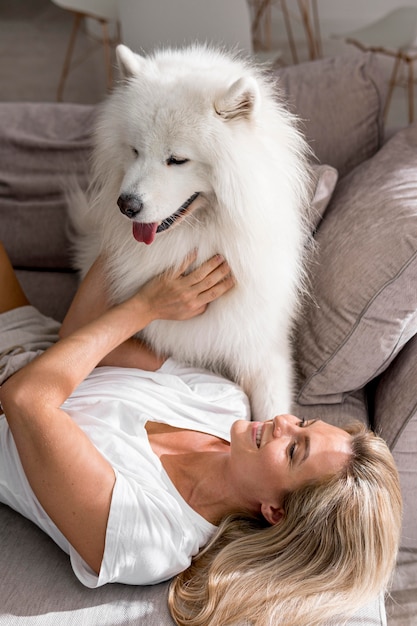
(144, 232)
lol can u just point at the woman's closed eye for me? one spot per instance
(293, 446)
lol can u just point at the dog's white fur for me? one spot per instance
(248, 162)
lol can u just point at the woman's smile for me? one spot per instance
(257, 432)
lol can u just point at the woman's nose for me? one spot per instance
(284, 425)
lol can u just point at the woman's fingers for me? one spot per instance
(206, 269)
(203, 299)
(186, 263)
(210, 280)
(216, 285)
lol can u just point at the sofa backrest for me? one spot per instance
(340, 104)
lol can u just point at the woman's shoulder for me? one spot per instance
(151, 535)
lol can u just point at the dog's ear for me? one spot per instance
(240, 100)
(130, 64)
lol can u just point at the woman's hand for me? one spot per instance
(171, 295)
(183, 294)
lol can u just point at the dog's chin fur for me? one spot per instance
(250, 163)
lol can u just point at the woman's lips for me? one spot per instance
(257, 433)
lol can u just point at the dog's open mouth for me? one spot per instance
(145, 233)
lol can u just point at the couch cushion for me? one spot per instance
(364, 281)
(49, 291)
(43, 146)
(38, 588)
(396, 398)
(325, 178)
(353, 407)
(405, 455)
(343, 118)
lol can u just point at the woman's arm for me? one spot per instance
(90, 301)
(70, 478)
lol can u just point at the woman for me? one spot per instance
(130, 471)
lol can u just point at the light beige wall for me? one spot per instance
(338, 16)
(149, 23)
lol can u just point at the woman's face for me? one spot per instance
(270, 459)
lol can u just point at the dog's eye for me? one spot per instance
(172, 160)
(134, 152)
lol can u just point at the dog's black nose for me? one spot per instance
(129, 204)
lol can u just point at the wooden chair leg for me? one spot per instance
(118, 33)
(267, 27)
(290, 36)
(410, 91)
(392, 83)
(261, 7)
(67, 62)
(317, 30)
(107, 54)
(304, 10)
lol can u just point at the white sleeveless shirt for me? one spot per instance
(152, 533)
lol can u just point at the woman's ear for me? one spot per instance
(271, 513)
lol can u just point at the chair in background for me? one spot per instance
(105, 12)
(393, 35)
(306, 12)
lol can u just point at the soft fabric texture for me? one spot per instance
(396, 395)
(363, 308)
(354, 407)
(51, 291)
(24, 333)
(152, 532)
(352, 113)
(325, 179)
(148, 517)
(42, 590)
(47, 148)
(405, 455)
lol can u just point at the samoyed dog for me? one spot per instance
(195, 150)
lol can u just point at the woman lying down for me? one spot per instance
(143, 469)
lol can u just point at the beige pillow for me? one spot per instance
(325, 179)
(339, 102)
(363, 307)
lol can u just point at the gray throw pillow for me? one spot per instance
(324, 180)
(363, 305)
(339, 102)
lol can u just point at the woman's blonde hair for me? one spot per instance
(334, 550)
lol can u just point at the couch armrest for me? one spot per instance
(395, 395)
(43, 146)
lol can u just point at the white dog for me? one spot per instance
(198, 152)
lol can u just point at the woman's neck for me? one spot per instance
(198, 466)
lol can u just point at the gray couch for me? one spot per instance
(356, 339)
